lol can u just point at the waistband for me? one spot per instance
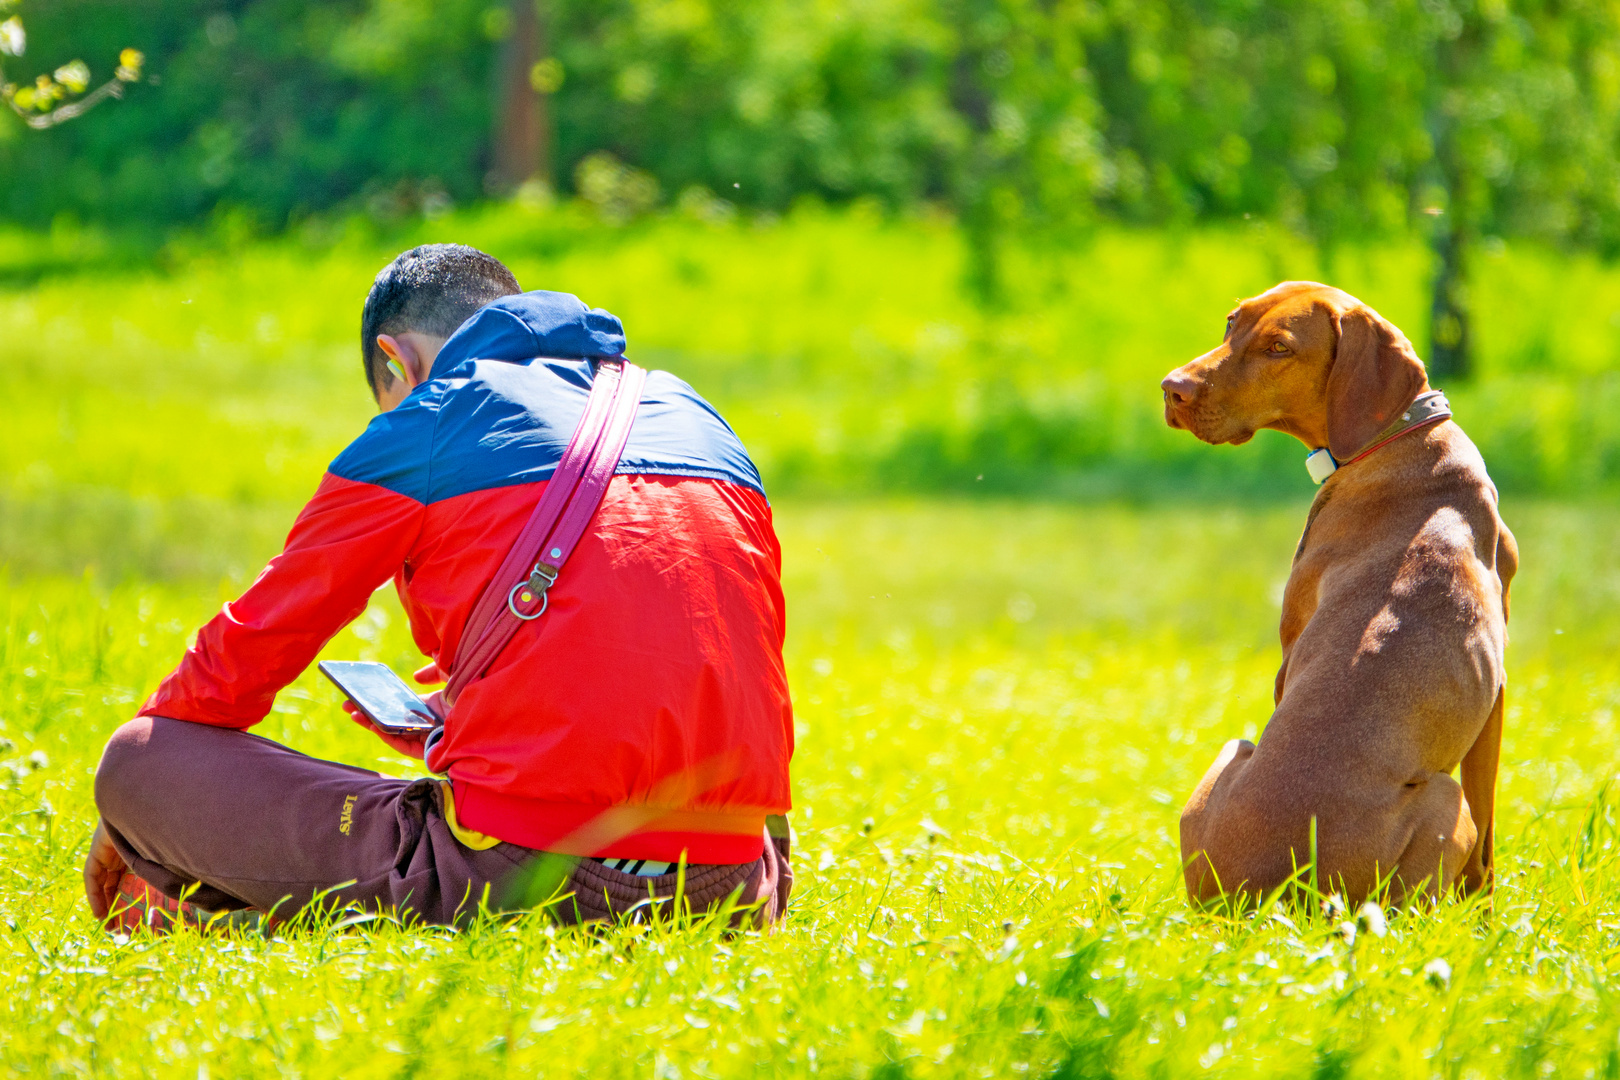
(617, 832)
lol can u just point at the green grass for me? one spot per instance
(1036, 686)
(1001, 704)
(840, 346)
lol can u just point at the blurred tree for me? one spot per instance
(267, 110)
(1524, 118)
(1346, 119)
(528, 77)
(1459, 49)
(1029, 154)
(1343, 120)
(60, 96)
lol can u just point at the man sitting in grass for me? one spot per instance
(641, 728)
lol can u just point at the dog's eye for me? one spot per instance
(1230, 319)
(1277, 348)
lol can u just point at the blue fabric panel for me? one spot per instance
(504, 423)
(393, 451)
(505, 418)
(678, 433)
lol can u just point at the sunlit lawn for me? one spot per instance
(1001, 706)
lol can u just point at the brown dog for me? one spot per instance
(1393, 622)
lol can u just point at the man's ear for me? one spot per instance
(404, 358)
(1375, 375)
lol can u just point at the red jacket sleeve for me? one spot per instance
(350, 539)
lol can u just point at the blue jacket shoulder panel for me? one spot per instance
(505, 423)
(396, 447)
(497, 412)
(678, 433)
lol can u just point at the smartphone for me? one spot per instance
(381, 695)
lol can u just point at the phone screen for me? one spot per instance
(381, 695)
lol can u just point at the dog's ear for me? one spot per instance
(1375, 375)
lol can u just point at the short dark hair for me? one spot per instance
(431, 289)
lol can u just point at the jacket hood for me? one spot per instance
(533, 324)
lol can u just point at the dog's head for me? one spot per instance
(1302, 358)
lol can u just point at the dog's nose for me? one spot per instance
(1178, 388)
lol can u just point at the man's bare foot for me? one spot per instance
(138, 906)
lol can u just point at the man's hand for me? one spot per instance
(429, 675)
(409, 744)
(103, 869)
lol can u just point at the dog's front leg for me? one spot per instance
(1439, 833)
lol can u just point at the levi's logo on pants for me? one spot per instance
(346, 822)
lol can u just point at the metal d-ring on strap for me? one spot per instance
(558, 522)
(539, 584)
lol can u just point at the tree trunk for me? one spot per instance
(522, 121)
(974, 177)
(1451, 339)
(983, 235)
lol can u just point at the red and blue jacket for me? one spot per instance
(646, 714)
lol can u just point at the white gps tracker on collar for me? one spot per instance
(1320, 464)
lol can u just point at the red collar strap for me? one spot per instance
(1428, 408)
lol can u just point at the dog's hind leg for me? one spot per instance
(1198, 819)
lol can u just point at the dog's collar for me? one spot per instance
(1426, 409)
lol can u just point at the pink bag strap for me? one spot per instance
(517, 593)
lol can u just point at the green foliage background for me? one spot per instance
(1329, 116)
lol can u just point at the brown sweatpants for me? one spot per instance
(252, 824)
